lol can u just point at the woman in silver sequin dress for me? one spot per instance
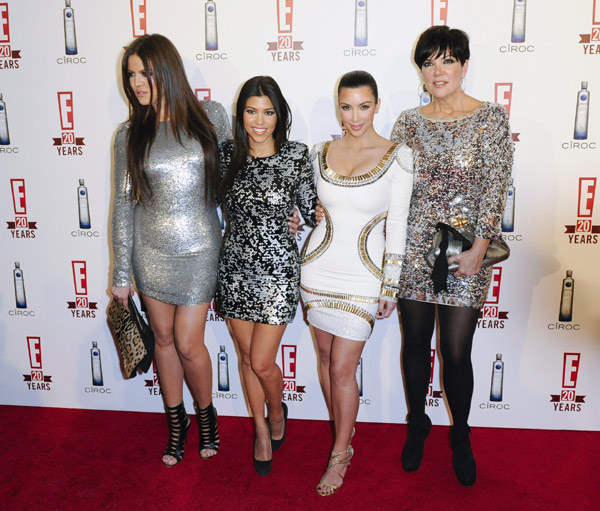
(463, 160)
(165, 227)
(351, 262)
(259, 269)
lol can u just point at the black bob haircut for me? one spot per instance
(437, 40)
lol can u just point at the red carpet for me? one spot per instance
(93, 460)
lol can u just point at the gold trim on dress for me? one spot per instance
(397, 262)
(362, 245)
(340, 296)
(352, 309)
(392, 293)
(322, 247)
(373, 175)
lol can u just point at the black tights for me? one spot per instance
(457, 326)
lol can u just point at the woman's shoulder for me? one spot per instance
(213, 108)
(404, 157)
(318, 148)
(120, 135)
(410, 114)
(294, 149)
(494, 110)
(217, 115)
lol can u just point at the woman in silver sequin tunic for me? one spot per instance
(165, 226)
(259, 269)
(463, 154)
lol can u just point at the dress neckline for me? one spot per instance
(450, 119)
(360, 177)
(372, 175)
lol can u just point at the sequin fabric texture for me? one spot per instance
(259, 269)
(354, 257)
(470, 158)
(171, 245)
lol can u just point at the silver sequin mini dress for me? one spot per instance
(170, 245)
(468, 158)
(259, 270)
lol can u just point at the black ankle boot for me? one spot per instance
(412, 454)
(463, 460)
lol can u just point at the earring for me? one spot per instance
(462, 84)
(424, 96)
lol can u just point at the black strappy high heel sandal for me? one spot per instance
(209, 428)
(179, 424)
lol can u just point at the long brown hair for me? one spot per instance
(256, 86)
(162, 63)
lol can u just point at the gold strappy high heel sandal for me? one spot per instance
(334, 461)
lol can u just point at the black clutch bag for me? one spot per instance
(449, 241)
(134, 337)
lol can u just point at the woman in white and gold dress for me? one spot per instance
(350, 268)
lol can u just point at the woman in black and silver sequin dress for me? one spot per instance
(463, 154)
(165, 227)
(259, 268)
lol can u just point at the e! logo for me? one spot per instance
(439, 12)
(587, 193)
(138, 17)
(80, 277)
(570, 370)
(285, 9)
(503, 95)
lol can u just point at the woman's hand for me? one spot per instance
(319, 213)
(294, 222)
(469, 261)
(122, 293)
(385, 308)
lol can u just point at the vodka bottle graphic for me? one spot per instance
(508, 219)
(359, 376)
(497, 377)
(223, 370)
(83, 206)
(69, 22)
(4, 136)
(360, 23)
(582, 113)
(210, 26)
(96, 365)
(518, 21)
(20, 299)
(566, 298)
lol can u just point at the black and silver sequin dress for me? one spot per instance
(354, 257)
(171, 245)
(468, 158)
(259, 268)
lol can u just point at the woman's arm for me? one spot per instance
(122, 220)
(497, 156)
(306, 193)
(396, 223)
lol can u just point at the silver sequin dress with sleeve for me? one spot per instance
(259, 270)
(170, 245)
(468, 158)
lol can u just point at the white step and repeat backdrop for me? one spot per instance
(61, 103)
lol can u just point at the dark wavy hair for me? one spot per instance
(355, 79)
(163, 64)
(437, 40)
(256, 86)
